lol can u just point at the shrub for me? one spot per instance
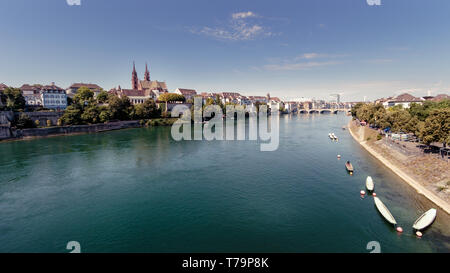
(23, 121)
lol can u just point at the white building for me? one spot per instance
(32, 94)
(53, 97)
(404, 100)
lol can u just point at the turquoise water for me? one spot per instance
(138, 190)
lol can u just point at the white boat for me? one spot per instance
(334, 136)
(330, 135)
(384, 211)
(425, 220)
(369, 183)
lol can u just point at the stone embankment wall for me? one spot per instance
(6, 132)
(43, 117)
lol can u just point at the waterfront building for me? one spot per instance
(73, 89)
(47, 96)
(187, 93)
(32, 94)
(53, 97)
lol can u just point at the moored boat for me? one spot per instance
(384, 211)
(349, 166)
(425, 220)
(369, 184)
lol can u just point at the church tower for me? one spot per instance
(134, 78)
(147, 73)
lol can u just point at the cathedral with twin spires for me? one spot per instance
(141, 90)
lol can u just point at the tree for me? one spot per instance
(91, 114)
(146, 110)
(84, 96)
(119, 108)
(355, 108)
(23, 121)
(102, 97)
(436, 127)
(399, 120)
(72, 115)
(171, 97)
(14, 98)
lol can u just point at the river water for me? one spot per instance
(138, 190)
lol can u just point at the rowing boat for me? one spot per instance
(349, 166)
(384, 211)
(369, 183)
(425, 220)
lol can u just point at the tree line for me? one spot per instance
(429, 121)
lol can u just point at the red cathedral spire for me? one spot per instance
(134, 78)
(147, 73)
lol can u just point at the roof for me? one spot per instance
(133, 93)
(440, 97)
(3, 86)
(153, 85)
(88, 85)
(184, 91)
(405, 97)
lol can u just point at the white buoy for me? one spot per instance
(374, 194)
(339, 156)
(419, 234)
(362, 192)
(399, 229)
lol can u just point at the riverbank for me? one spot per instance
(434, 188)
(10, 134)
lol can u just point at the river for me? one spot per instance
(138, 190)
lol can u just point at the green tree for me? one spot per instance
(355, 108)
(119, 108)
(14, 99)
(399, 120)
(146, 110)
(436, 127)
(23, 121)
(91, 114)
(84, 96)
(102, 97)
(72, 115)
(171, 97)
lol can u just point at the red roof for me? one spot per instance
(3, 86)
(405, 97)
(187, 91)
(440, 97)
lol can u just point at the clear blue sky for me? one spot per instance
(288, 48)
